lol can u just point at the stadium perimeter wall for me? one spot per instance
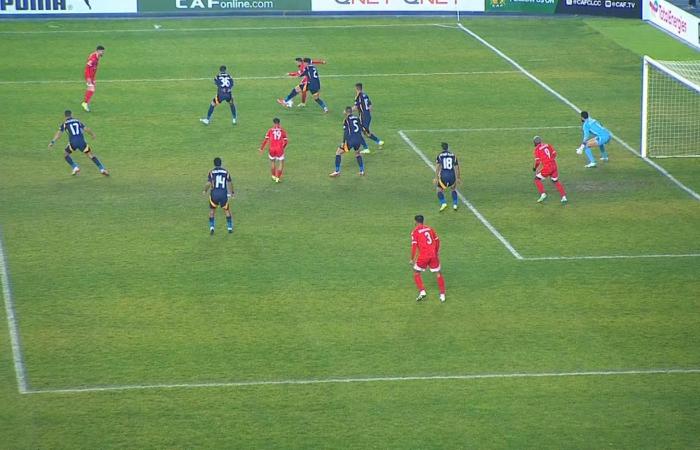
(121, 8)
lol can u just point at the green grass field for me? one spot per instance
(116, 281)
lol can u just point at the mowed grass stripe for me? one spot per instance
(263, 77)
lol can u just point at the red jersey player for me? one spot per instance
(304, 84)
(91, 74)
(425, 249)
(546, 166)
(277, 138)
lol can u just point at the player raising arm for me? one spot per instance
(221, 186)
(546, 167)
(447, 175)
(277, 137)
(352, 139)
(304, 78)
(224, 87)
(314, 84)
(91, 75)
(425, 253)
(594, 135)
(76, 142)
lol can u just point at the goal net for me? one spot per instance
(670, 109)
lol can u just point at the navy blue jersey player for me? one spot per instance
(76, 142)
(352, 140)
(310, 72)
(447, 176)
(224, 93)
(220, 189)
(363, 105)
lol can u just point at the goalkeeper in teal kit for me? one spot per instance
(594, 135)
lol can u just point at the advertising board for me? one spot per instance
(522, 6)
(674, 20)
(62, 7)
(417, 6)
(610, 8)
(221, 6)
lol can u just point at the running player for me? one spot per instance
(352, 139)
(314, 85)
(90, 75)
(447, 175)
(363, 105)
(221, 186)
(594, 135)
(224, 86)
(546, 167)
(277, 137)
(425, 253)
(76, 142)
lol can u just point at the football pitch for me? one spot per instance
(129, 326)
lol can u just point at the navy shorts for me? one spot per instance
(82, 147)
(218, 198)
(223, 98)
(366, 120)
(353, 144)
(314, 87)
(447, 179)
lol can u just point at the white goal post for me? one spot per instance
(670, 109)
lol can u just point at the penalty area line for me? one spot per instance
(577, 258)
(15, 342)
(484, 376)
(567, 102)
(464, 200)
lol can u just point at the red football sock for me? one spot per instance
(419, 281)
(540, 186)
(560, 188)
(88, 95)
(279, 173)
(441, 283)
(303, 96)
(273, 172)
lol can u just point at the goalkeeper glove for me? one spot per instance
(579, 150)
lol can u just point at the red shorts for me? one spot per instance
(549, 171)
(424, 262)
(277, 154)
(90, 76)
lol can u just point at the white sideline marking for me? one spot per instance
(547, 258)
(270, 77)
(484, 376)
(161, 29)
(464, 200)
(20, 371)
(546, 87)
